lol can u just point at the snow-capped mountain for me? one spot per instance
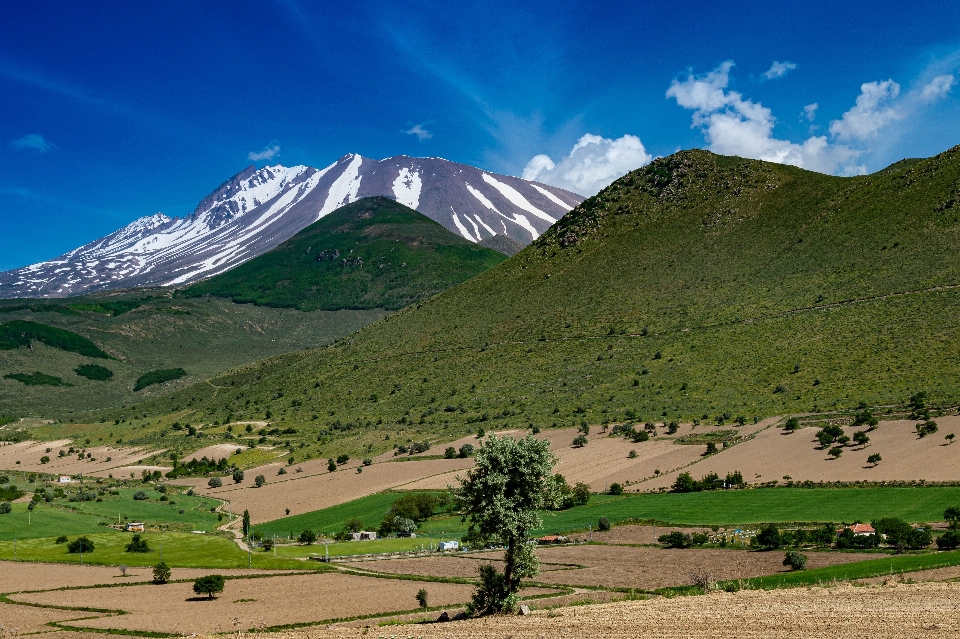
(256, 210)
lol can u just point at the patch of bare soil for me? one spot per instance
(315, 488)
(29, 453)
(621, 566)
(251, 602)
(773, 454)
(843, 612)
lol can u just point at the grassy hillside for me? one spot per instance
(374, 253)
(698, 287)
(140, 331)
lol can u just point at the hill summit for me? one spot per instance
(374, 253)
(698, 287)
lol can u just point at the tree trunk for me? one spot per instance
(510, 565)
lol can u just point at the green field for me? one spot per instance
(183, 550)
(341, 549)
(67, 518)
(726, 508)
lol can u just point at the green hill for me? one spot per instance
(374, 253)
(52, 352)
(700, 286)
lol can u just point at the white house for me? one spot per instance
(448, 545)
(64, 479)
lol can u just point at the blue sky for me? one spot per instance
(115, 110)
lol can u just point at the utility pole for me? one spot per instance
(249, 558)
(14, 549)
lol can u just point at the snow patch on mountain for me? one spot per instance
(407, 187)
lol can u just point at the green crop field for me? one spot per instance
(370, 510)
(696, 286)
(45, 521)
(342, 549)
(183, 550)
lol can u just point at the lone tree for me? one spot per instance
(501, 497)
(80, 545)
(246, 522)
(307, 537)
(209, 585)
(138, 544)
(237, 476)
(215, 482)
(259, 481)
(161, 573)
(874, 459)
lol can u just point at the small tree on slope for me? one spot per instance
(501, 498)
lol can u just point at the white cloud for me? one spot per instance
(593, 163)
(937, 88)
(33, 141)
(778, 70)
(733, 125)
(421, 133)
(269, 152)
(873, 111)
(810, 111)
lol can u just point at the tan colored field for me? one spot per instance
(315, 488)
(216, 451)
(29, 453)
(255, 602)
(604, 460)
(844, 612)
(620, 566)
(773, 454)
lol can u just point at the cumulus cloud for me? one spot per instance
(421, 133)
(937, 88)
(778, 70)
(33, 141)
(810, 111)
(269, 152)
(875, 109)
(733, 125)
(593, 163)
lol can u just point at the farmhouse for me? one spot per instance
(448, 545)
(862, 530)
(64, 479)
(135, 526)
(364, 535)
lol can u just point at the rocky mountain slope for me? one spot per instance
(257, 209)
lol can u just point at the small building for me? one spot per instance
(407, 535)
(135, 526)
(552, 539)
(862, 530)
(364, 535)
(64, 479)
(448, 545)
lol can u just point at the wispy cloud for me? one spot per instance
(34, 141)
(809, 112)
(421, 133)
(269, 152)
(937, 88)
(778, 70)
(593, 163)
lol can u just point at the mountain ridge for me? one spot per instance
(257, 209)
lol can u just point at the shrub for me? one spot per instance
(331, 466)
(926, 428)
(603, 524)
(450, 453)
(579, 441)
(796, 560)
(421, 597)
(282, 471)
(369, 462)
(835, 452)
(158, 377)
(792, 424)
(209, 585)
(699, 539)
(140, 496)
(342, 459)
(237, 476)
(259, 481)
(5, 507)
(874, 459)
(80, 544)
(581, 494)
(216, 482)
(615, 489)
(62, 539)
(466, 450)
(138, 544)
(307, 537)
(711, 449)
(949, 540)
(676, 539)
(492, 595)
(161, 573)
(684, 483)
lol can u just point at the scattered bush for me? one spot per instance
(768, 537)
(421, 597)
(5, 507)
(138, 544)
(450, 453)
(161, 573)
(949, 540)
(466, 451)
(62, 539)
(259, 481)
(615, 489)
(603, 524)
(80, 545)
(874, 459)
(307, 537)
(579, 441)
(237, 476)
(676, 539)
(926, 428)
(94, 372)
(158, 377)
(216, 482)
(140, 496)
(796, 560)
